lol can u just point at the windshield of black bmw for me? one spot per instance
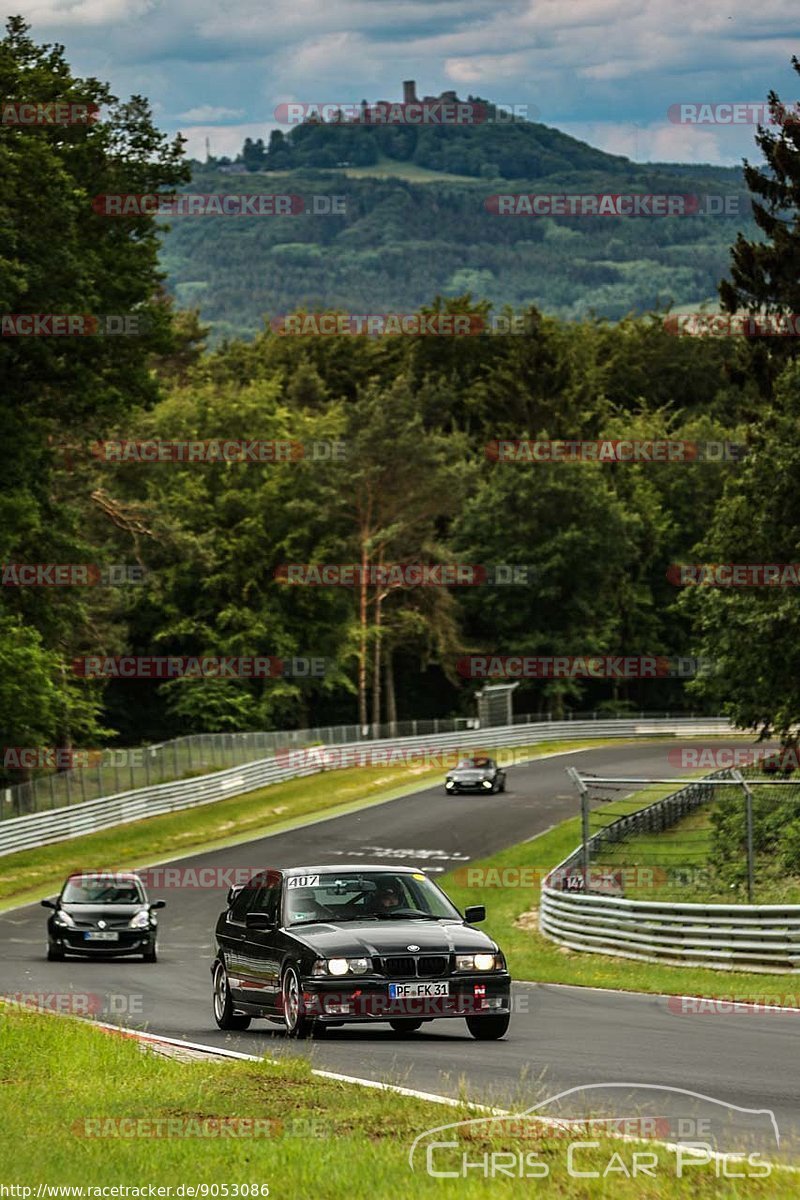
(368, 895)
(480, 764)
(87, 890)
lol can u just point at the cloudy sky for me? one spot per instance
(606, 71)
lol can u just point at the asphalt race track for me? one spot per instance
(560, 1037)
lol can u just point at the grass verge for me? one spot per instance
(316, 1137)
(512, 918)
(33, 874)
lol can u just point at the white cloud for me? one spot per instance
(208, 112)
(226, 140)
(595, 65)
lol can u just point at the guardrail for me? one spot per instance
(762, 938)
(116, 769)
(43, 828)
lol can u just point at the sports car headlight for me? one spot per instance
(141, 920)
(340, 966)
(476, 962)
(487, 783)
(62, 918)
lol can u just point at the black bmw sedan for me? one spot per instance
(100, 913)
(314, 947)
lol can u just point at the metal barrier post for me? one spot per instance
(584, 794)
(748, 813)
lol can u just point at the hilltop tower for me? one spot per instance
(409, 91)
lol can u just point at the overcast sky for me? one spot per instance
(605, 71)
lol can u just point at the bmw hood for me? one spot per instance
(470, 775)
(377, 938)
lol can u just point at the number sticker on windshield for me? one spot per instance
(303, 881)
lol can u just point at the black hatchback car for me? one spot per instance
(101, 913)
(313, 947)
(477, 774)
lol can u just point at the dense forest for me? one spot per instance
(400, 242)
(415, 482)
(416, 220)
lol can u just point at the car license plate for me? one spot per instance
(410, 991)
(104, 936)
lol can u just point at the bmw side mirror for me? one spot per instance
(158, 904)
(259, 921)
(49, 904)
(474, 914)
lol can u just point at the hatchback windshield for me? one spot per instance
(367, 895)
(86, 889)
(475, 762)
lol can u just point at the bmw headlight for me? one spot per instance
(476, 962)
(341, 966)
(63, 918)
(487, 783)
(141, 920)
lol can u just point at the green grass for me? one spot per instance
(682, 858)
(32, 874)
(513, 920)
(319, 1137)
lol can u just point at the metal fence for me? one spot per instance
(89, 816)
(575, 912)
(127, 769)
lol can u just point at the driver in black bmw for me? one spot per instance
(312, 947)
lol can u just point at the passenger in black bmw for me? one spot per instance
(314, 947)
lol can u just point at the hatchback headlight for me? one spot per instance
(141, 920)
(476, 962)
(63, 918)
(341, 966)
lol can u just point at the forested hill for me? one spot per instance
(485, 149)
(418, 222)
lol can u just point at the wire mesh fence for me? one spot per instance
(112, 771)
(732, 835)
